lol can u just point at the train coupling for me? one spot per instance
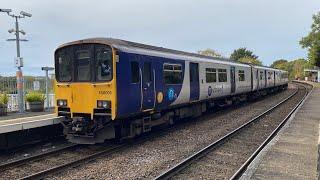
(79, 124)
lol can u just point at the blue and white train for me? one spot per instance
(108, 88)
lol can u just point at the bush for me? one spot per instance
(4, 99)
(35, 97)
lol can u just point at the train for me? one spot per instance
(110, 88)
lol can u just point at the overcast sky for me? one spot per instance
(270, 28)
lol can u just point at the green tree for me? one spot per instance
(250, 60)
(241, 53)
(280, 64)
(296, 68)
(312, 41)
(209, 52)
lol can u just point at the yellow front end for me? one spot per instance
(82, 98)
(85, 91)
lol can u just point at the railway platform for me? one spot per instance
(293, 153)
(18, 129)
(18, 122)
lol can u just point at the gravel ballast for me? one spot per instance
(225, 160)
(148, 159)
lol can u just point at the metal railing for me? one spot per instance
(8, 85)
(14, 106)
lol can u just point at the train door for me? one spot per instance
(252, 78)
(258, 79)
(147, 84)
(274, 78)
(265, 78)
(233, 79)
(194, 81)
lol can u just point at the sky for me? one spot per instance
(270, 28)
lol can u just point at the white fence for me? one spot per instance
(14, 106)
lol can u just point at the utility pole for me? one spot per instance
(18, 59)
(47, 69)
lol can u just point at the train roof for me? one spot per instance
(139, 48)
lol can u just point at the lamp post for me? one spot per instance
(47, 69)
(18, 59)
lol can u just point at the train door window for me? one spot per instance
(135, 72)
(222, 75)
(64, 67)
(194, 72)
(83, 65)
(261, 75)
(241, 75)
(104, 64)
(172, 73)
(211, 75)
(147, 75)
(269, 75)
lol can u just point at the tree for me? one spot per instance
(312, 41)
(241, 53)
(280, 64)
(209, 52)
(250, 60)
(296, 68)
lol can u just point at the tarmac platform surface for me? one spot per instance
(22, 121)
(293, 153)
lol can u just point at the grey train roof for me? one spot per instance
(128, 46)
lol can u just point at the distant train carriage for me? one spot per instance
(108, 88)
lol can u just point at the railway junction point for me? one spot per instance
(293, 153)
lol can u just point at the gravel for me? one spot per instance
(32, 149)
(49, 161)
(224, 161)
(148, 159)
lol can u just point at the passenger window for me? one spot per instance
(104, 64)
(147, 72)
(172, 73)
(222, 75)
(135, 72)
(64, 67)
(83, 65)
(211, 75)
(241, 75)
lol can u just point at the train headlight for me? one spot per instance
(104, 104)
(62, 102)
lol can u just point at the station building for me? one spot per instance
(312, 75)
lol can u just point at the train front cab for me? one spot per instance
(86, 91)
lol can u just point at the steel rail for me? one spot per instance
(111, 150)
(114, 149)
(42, 174)
(21, 161)
(245, 165)
(189, 160)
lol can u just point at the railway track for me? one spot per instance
(37, 167)
(40, 166)
(192, 166)
(19, 162)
